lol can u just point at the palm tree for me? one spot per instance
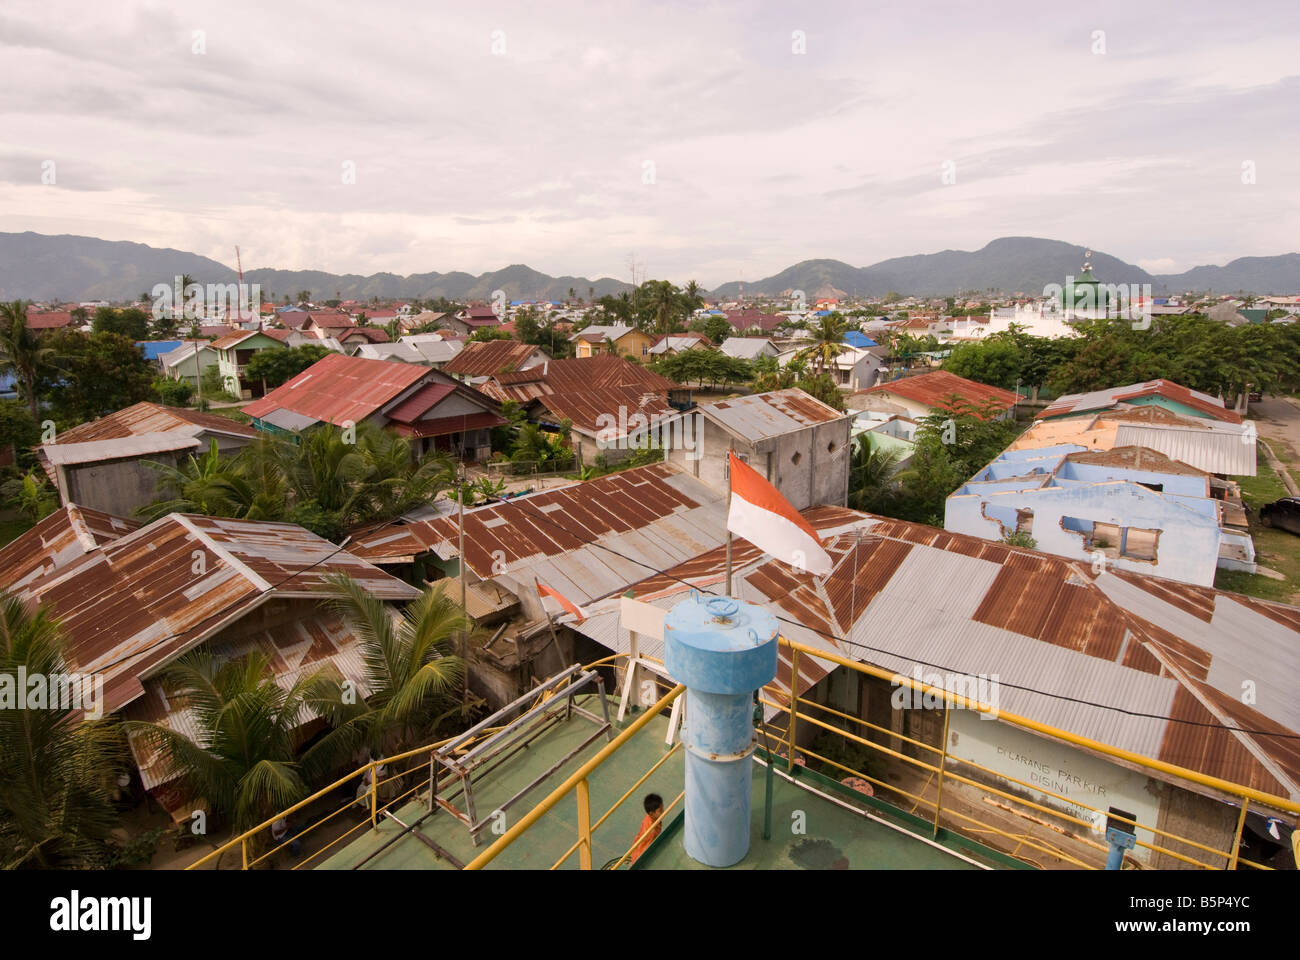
(55, 771)
(411, 674)
(201, 484)
(243, 766)
(828, 344)
(21, 352)
(871, 476)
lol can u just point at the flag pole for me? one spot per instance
(464, 642)
(730, 454)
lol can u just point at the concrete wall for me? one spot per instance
(114, 486)
(809, 467)
(1187, 549)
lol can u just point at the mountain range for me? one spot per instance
(38, 267)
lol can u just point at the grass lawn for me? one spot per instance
(12, 527)
(1275, 549)
(232, 413)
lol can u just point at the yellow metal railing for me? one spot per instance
(1075, 847)
(942, 769)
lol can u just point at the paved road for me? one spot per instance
(1278, 418)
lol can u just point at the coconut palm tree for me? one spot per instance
(21, 352)
(244, 766)
(871, 476)
(828, 337)
(412, 675)
(56, 769)
(202, 484)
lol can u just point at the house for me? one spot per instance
(489, 357)
(131, 601)
(50, 320)
(748, 348)
(752, 320)
(1127, 507)
(102, 464)
(471, 320)
(234, 350)
(350, 339)
(1132, 663)
(890, 432)
(613, 422)
(798, 443)
(434, 410)
(324, 324)
(188, 362)
(603, 338)
(932, 393)
(677, 343)
(583, 373)
(1161, 393)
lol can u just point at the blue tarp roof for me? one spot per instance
(856, 338)
(153, 348)
(822, 313)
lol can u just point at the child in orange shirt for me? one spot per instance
(654, 805)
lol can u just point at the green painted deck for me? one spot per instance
(833, 837)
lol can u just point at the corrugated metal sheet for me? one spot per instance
(907, 596)
(1229, 452)
(62, 537)
(934, 389)
(339, 388)
(762, 416)
(420, 402)
(490, 357)
(1103, 399)
(318, 641)
(93, 451)
(150, 418)
(578, 373)
(586, 408)
(133, 604)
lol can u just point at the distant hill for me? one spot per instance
(1015, 264)
(38, 267)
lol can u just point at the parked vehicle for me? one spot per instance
(1283, 514)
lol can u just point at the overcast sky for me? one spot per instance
(572, 136)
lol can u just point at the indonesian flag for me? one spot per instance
(545, 591)
(765, 518)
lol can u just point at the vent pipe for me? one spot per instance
(722, 650)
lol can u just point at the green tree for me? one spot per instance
(30, 495)
(98, 374)
(129, 322)
(275, 366)
(56, 769)
(244, 766)
(23, 354)
(871, 477)
(828, 342)
(412, 673)
(173, 393)
(19, 430)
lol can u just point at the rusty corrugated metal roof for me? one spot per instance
(340, 388)
(142, 418)
(1093, 654)
(934, 388)
(65, 535)
(762, 416)
(589, 410)
(490, 357)
(131, 605)
(577, 373)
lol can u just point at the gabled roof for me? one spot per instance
(236, 338)
(576, 373)
(488, 357)
(1110, 656)
(371, 334)
(149, 418)
(132, 605)
(1113, 396)
(48, 321)
(339, 388)
(761, 416)
(63, 536)
(590, 410)
(933, 389)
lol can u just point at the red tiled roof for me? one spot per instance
(372, 334)
(481, 313)
(338, 388)
(933, 389)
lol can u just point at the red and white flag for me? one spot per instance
(545, 591)
(765, 518)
